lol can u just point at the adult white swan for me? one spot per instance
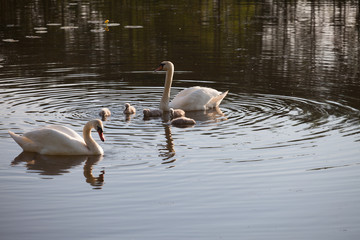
(61, 140)
(189, 99)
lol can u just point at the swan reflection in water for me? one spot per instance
(213, 115)
(167, 150)
(58, 165)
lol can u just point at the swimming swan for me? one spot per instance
(61, 140)
(189, 99)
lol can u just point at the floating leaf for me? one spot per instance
(113, 24)
(32, 37)
(133, 26)
(69, 27)
(40, 28)
(53, 24)
(10, 40)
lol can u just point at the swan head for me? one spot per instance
(127, 105)
(165, 65)
(99, 127)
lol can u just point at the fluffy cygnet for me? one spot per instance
(183, 122)
(152, 113)
(129, 109)
(104, 113)
(176, 113)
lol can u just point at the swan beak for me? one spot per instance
(101, 134)
(159, 68)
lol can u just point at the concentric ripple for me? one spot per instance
(247, 127)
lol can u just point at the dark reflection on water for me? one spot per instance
(58, 165)
(209, 116)
(306, 49)
(279, 159)
(167, 151)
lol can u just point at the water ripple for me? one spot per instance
(252, 126)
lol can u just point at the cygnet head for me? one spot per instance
(146, 112)
(127, 105)
(165, 65)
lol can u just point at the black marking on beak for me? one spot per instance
(99, 129)
(160, 67)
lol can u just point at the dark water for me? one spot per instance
(278, 160)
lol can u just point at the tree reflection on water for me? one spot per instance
(298, 48)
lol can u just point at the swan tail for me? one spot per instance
(215, 101)
(25, 143)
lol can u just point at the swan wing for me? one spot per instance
(50, 141)
(196, 98)
(215, 101)
(25, 143)
(67, 131)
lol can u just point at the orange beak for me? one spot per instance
(101, 135)
(159, 68)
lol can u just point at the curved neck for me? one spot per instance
(90, 142)
(164, 104)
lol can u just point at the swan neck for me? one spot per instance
(164, 104)
(90, 142)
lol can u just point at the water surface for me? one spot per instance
(278, 160)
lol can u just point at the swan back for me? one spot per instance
(197, 98)
(67, 131)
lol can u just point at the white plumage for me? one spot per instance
(61, 140)
(190, 99)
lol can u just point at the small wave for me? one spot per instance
(245, 128)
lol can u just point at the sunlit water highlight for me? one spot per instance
(257, 144)
(247, 127)
(278, 160)
(252, 149)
